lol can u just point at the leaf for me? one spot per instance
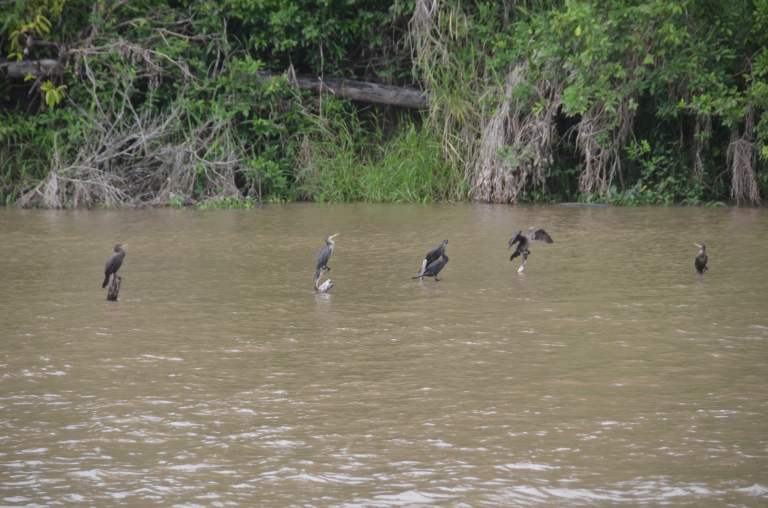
(577, 32)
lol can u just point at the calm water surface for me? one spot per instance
(606, 374)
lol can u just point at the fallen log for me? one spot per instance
(352, 89)
(365, 91)
(35, 68)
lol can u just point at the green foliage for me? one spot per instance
(408, 168)
(335, 37)
(225, 203)
(176, 201)
(661, 180)
(52, 94)
(664, 85)
(27, 20)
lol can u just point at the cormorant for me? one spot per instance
(324, 257)
(701, 259)
(113, 264)
(433, 256)
(434, 268)
(523, 240)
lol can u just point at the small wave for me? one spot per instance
(284, 443)
(33, 451)
(339, 478)
(409, 498)
(90, 474)
(439, 443)
(158, 402)
(182, 424)
(17, 499)
(527, 465)
(166, 358)
(755, 490)
(190, 468)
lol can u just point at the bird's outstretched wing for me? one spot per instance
(435, 253)
(540, 234)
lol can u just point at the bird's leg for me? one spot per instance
(436, 279)
(522, 264)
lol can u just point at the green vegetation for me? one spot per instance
(347, 163)
(162, 102)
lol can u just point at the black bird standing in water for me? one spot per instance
(114, 263)
(701, 259)
(523, 240)
(321, 264)
(434, 267)
(433, 256)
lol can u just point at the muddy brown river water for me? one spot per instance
(607, 374)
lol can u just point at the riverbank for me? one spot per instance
(166, 103)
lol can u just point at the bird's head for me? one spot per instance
(119, 246)
(515, 237)
(701, 246)
(329, 239)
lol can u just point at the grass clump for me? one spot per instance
(408, 168)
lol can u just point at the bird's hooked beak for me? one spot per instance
(698, 245)
(334, 236)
